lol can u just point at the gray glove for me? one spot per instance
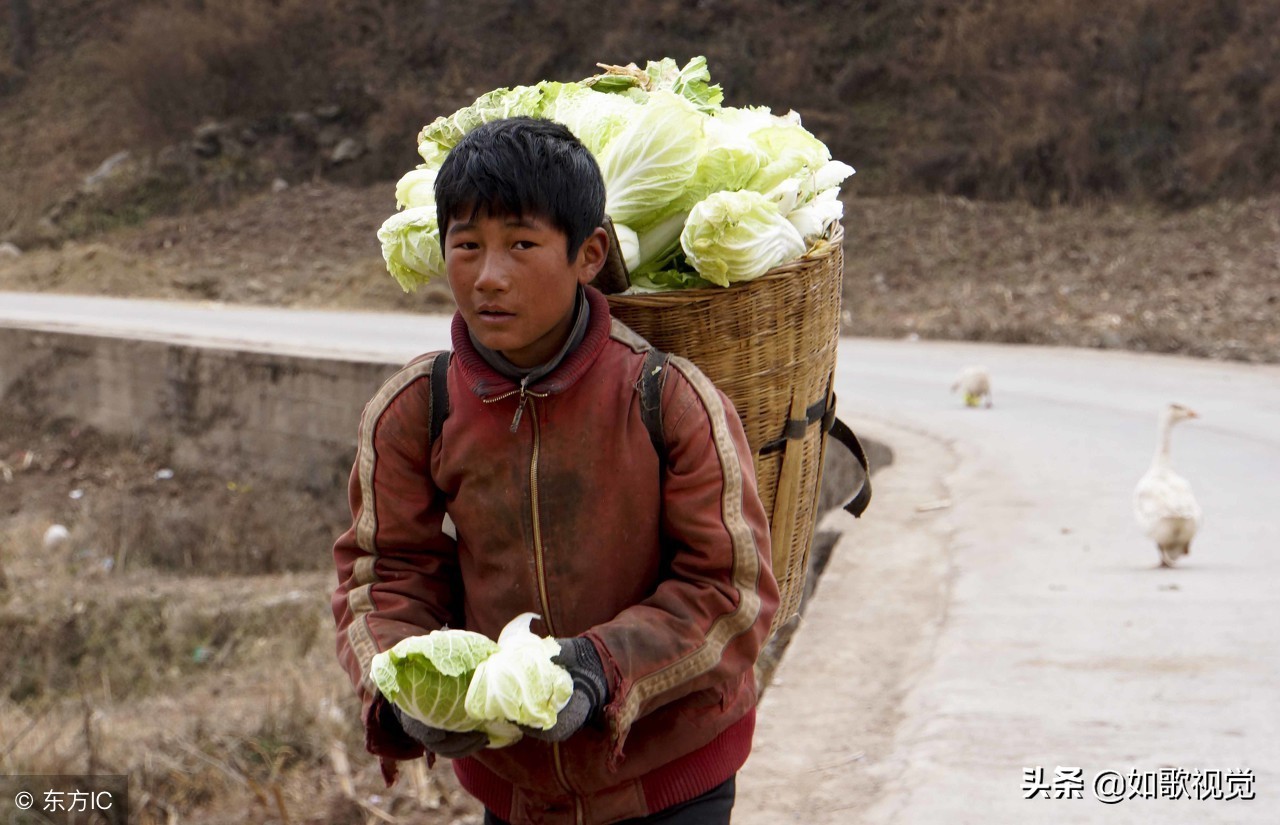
(590, 689)
(446, 743)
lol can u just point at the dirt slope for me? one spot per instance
(1203, 281)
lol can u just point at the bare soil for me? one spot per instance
(1202, 281)
(181, 633)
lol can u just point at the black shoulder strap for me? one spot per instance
(840, 432)
(439, 393)
(653, 376)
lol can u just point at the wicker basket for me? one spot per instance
(770, 345)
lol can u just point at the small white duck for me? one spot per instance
(974, 384)
(1162, 502)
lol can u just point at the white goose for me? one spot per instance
(1162, 502)
(974, 385)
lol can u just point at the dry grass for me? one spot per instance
(1050, 102)
(209, 681)
(1059, 101)
(272, 744)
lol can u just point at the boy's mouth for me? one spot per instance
(493, 313)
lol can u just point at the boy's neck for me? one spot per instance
(530, 375)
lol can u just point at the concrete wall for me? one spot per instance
(290, 418)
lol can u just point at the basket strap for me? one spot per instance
(824, 411)
(840, 432)
(795, 428)
(439, 393)
(653, 375)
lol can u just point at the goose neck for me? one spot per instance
(1163, 441)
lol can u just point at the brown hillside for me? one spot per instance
(1051, 101)
(1068, 129)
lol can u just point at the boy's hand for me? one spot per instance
(590, 689)
(446, 743)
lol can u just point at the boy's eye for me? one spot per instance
(524, 244)
(464, 245)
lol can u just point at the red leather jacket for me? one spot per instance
(559, 509)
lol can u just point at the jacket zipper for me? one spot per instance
(526, 396)
(539, 560)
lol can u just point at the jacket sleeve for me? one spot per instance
(707, 620)
(396, 567)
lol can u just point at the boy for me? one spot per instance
(651, 570)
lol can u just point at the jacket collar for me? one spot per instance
(485, 381)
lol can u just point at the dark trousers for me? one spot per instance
(711, 808)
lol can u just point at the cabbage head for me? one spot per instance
(738, 236)
(812, 219)
(442, 134)
(595, 118)
(628, 245)
(427, 676)
(794, 156)
(417, 188)
(648, 165)
(519, 682)
(411, 246)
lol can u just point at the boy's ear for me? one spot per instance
(612, 276)
(592, 255)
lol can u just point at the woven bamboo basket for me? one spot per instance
(770, 346)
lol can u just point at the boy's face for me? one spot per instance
(513, 283)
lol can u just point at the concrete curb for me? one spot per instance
(828, 718)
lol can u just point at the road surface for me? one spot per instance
(1026, 626)
(996, 627)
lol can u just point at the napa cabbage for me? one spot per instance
(648, 166)
(459, 680)
(411, 246)
(428, 676)
(442, 134)
(417, 188)
(738, 236)
(674, 160)
(519, 682)
(595, 118)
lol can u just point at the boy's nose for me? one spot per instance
(493, 273)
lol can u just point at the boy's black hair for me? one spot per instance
(523, 166)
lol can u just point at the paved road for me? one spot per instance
(1031, 625)
(376, 336)
(997, 609)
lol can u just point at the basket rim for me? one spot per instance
(825, 247)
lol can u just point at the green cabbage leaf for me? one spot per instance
(595, 118)
(731, 237)
(411, 245)
(442, 134)
(648, 166)
(459, 680)
(519, 682)
(675, 161)
(428, 676)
